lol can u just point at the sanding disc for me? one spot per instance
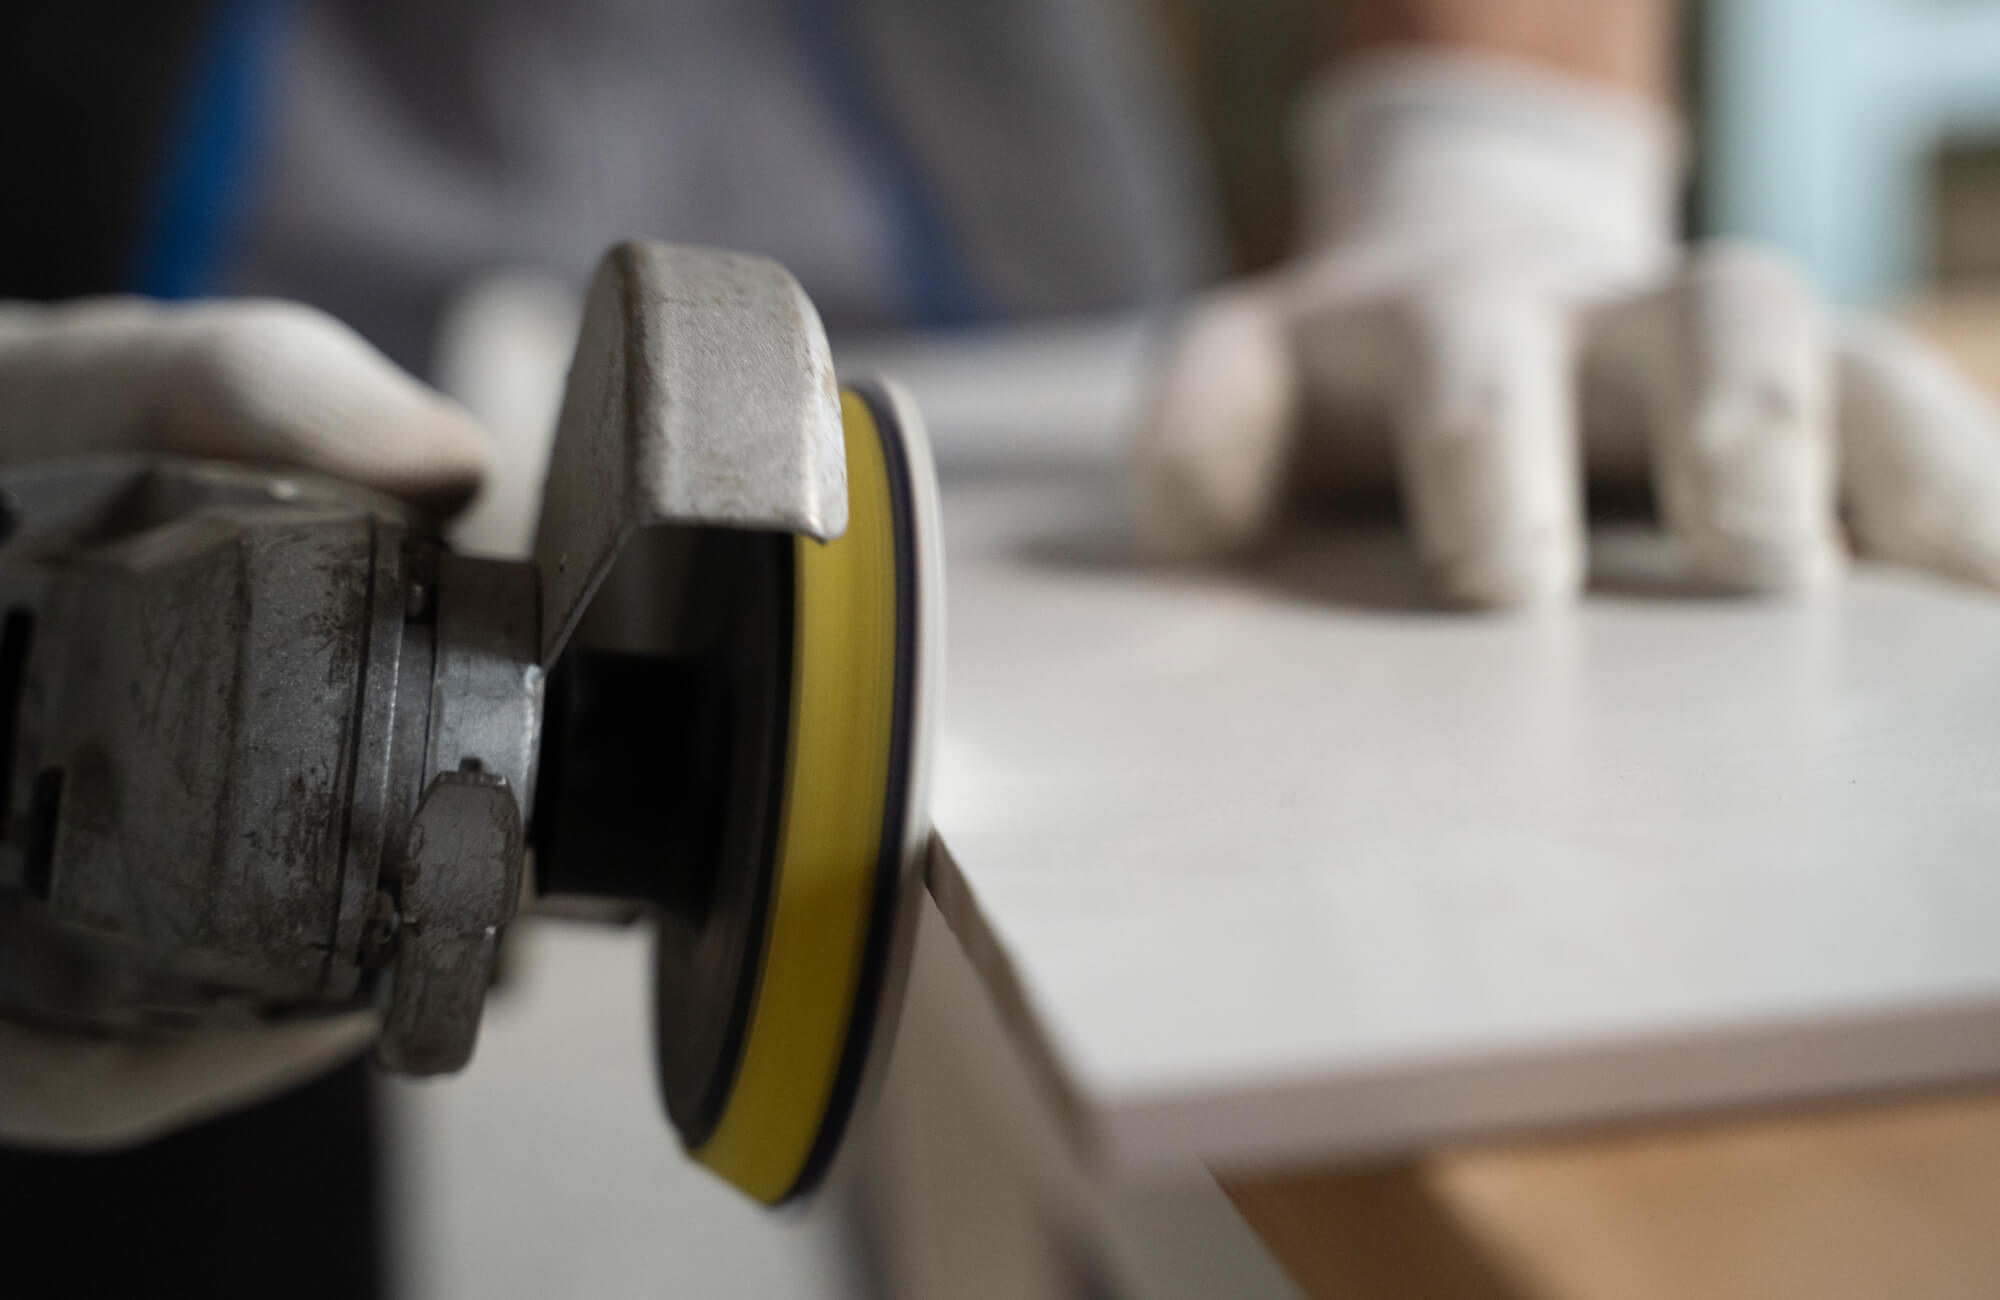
(851, 826)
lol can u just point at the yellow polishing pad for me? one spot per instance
(842, 831)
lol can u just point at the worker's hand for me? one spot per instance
(270, 383)
(1495, 307)
(82, 1091)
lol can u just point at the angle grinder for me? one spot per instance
(270, 750)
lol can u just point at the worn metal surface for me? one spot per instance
(458, 884)
(190, 705)
(702, 392)
(267, 748)
(486, 693)
(231, 689)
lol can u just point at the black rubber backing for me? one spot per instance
(661, 782)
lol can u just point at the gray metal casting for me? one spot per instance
(270, 747)
(702, 391)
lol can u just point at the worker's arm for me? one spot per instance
(1627, 44)
(1490, 288)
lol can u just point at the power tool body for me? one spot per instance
(272, 750)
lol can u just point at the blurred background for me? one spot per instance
(1861, 137)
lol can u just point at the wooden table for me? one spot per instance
(1833, 1202)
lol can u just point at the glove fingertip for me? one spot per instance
(452, 458)
(1514, 574)
(1208, 457)
(1764, 565)
(283, 383)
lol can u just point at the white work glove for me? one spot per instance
(1494, 307)
(265, 382)
(270, 383)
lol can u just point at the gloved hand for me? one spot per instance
(1493, 307)
(266, 382)
(271, 383)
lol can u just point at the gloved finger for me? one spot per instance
(1484, 418)
(267, 382)
(1920, 449)
(1730, 362)
(1209, 456)
(87, 1091)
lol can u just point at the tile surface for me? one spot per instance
(1287, 863)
